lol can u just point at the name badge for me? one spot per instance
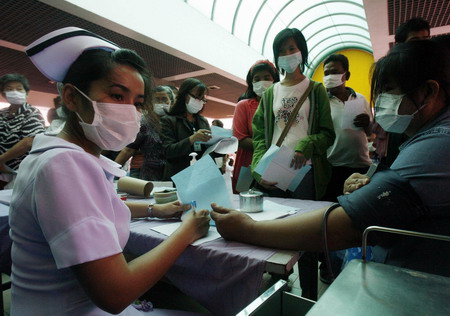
(197, 146)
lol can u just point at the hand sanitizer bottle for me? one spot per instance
(194, 157)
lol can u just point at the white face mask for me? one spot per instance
(333, 81)
(161, 108)
(261, 86)
(290, 62)
(16, 97)
(386, 113)
(114, 125)
(194, 105)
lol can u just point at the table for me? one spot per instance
(223, 276)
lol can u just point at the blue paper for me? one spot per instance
(299, 177)
(266, 159)
(245, 179)
(222, 132)
(217, 134)
(203, 183)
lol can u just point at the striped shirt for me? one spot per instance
(27, 122)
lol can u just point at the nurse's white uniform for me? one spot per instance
(64, 212)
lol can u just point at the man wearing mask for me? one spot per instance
(352, 117)
(19, 123)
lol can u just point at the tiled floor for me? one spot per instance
(293, 282)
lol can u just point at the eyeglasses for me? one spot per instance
(204, 100)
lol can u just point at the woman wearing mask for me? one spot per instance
(411, 97)
(68, 226)
(312, 131)
(19, 123)
(184, 127)
(148, 155)
(163, 99)
(260, 77)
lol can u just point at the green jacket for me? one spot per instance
(314, 146)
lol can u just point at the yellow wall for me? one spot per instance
(359, 67)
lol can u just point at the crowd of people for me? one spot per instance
(108, 104)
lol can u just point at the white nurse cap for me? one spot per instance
(54, 53)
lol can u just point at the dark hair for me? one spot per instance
(409, 65)
(94, 64)
(337, 58)
(260, 65)
(4, 80)
(167, 90)
(443, 39)
(179, 107)
(174, 89)
(299, 41)
(414, 25)
(218, 123)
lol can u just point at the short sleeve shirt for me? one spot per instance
(27, 122)
(284, 101)
(414, 195)
(64, 212)
(350, 147)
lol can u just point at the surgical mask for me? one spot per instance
(161, 108)
(16, 97)
(386, 113)
(261, 86)
(333, 81)
(114, 125)
(194, 105)
(290, 62)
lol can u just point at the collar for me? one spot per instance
(444, 115)
(42, 143)
(21, 109)
(352, 93)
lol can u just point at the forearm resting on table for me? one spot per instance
(138, 209)
(113, 284)
(19, 149)
(303, 232)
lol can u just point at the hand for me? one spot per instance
(362, 120)
(231, 224)
(202, 135)
(354, 182)
(268, 184)
(298, 161)
(168, 210)
(196, 223)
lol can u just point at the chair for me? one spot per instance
(277, 302)
(370, 288)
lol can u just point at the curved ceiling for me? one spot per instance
(328, 25)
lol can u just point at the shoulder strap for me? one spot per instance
(294, 113)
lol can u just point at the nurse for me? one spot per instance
(67, 224)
